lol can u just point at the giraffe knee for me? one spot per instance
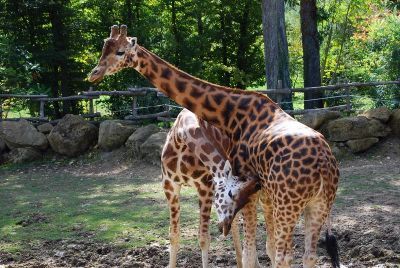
(283, 260)
(309, 260)
(174, 238)
(271, 251)
(204, 242)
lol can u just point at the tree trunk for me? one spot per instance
(243, 42)
(311, 58)
(128, 15)
(224, 48)
(175, 32)
(276, 48)
(60, 57)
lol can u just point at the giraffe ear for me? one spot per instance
(133, 41)
(228, 169)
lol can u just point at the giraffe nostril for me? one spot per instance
(95, 71)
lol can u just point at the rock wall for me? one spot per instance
(20, 141)
(355, 133)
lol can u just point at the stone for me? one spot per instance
(139, 137)
(357, 127)
(22, 134)
(45, 128)
(151, 149)
(316, 119)
(3, 146)
(72, 135)
(382, 114)
(113, 134)
(394, 122)
(22, 155)
(361, 145)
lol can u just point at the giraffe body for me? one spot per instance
(193, 155)
(293, 163)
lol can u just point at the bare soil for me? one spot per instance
(366, 220)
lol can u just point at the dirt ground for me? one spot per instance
(366, 219)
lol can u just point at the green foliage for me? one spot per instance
(50, 46)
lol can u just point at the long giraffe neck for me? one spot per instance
(221, 106)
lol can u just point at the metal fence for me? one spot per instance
(344, 93)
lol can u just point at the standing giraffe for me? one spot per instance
(194, 155)
(293, 163)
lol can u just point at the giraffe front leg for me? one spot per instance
(172, 191)
(250, 228)
(205, 202)
(266, 204)
(236, 241)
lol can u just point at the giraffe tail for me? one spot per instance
(332, 245)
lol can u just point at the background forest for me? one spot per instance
(50, 46)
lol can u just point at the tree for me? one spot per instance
(276, 47)
(311, 57)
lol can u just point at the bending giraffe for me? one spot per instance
(293, 163)
(193, 155)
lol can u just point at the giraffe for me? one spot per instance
(293, 163)
(193, 155)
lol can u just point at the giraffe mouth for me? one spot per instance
(96, 75)
(95, 80)
(225, 227)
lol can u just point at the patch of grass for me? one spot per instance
(354, 185)
(128, 212)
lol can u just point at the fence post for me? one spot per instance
(279, 95)
(134, 106)
(348, 101)
(41, 110)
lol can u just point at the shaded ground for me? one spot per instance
(104, 210)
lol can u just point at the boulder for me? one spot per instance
(361, 145)
(72, 135)
(21, 134)
(340, 150)
(394, 122)
(45, 128)
(382, 114)
(315, 119)
(21, 155)
(357, 127)
(151, 149)
(113, 134)
(3, 146)
(139, 137)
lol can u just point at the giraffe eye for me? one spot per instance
(120, 53)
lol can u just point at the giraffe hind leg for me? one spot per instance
(315, 215)
(285, 222)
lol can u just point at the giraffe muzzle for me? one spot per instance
(96, 75)
(225, 227)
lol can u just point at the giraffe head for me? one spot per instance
(231, 194)
(119, 51)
